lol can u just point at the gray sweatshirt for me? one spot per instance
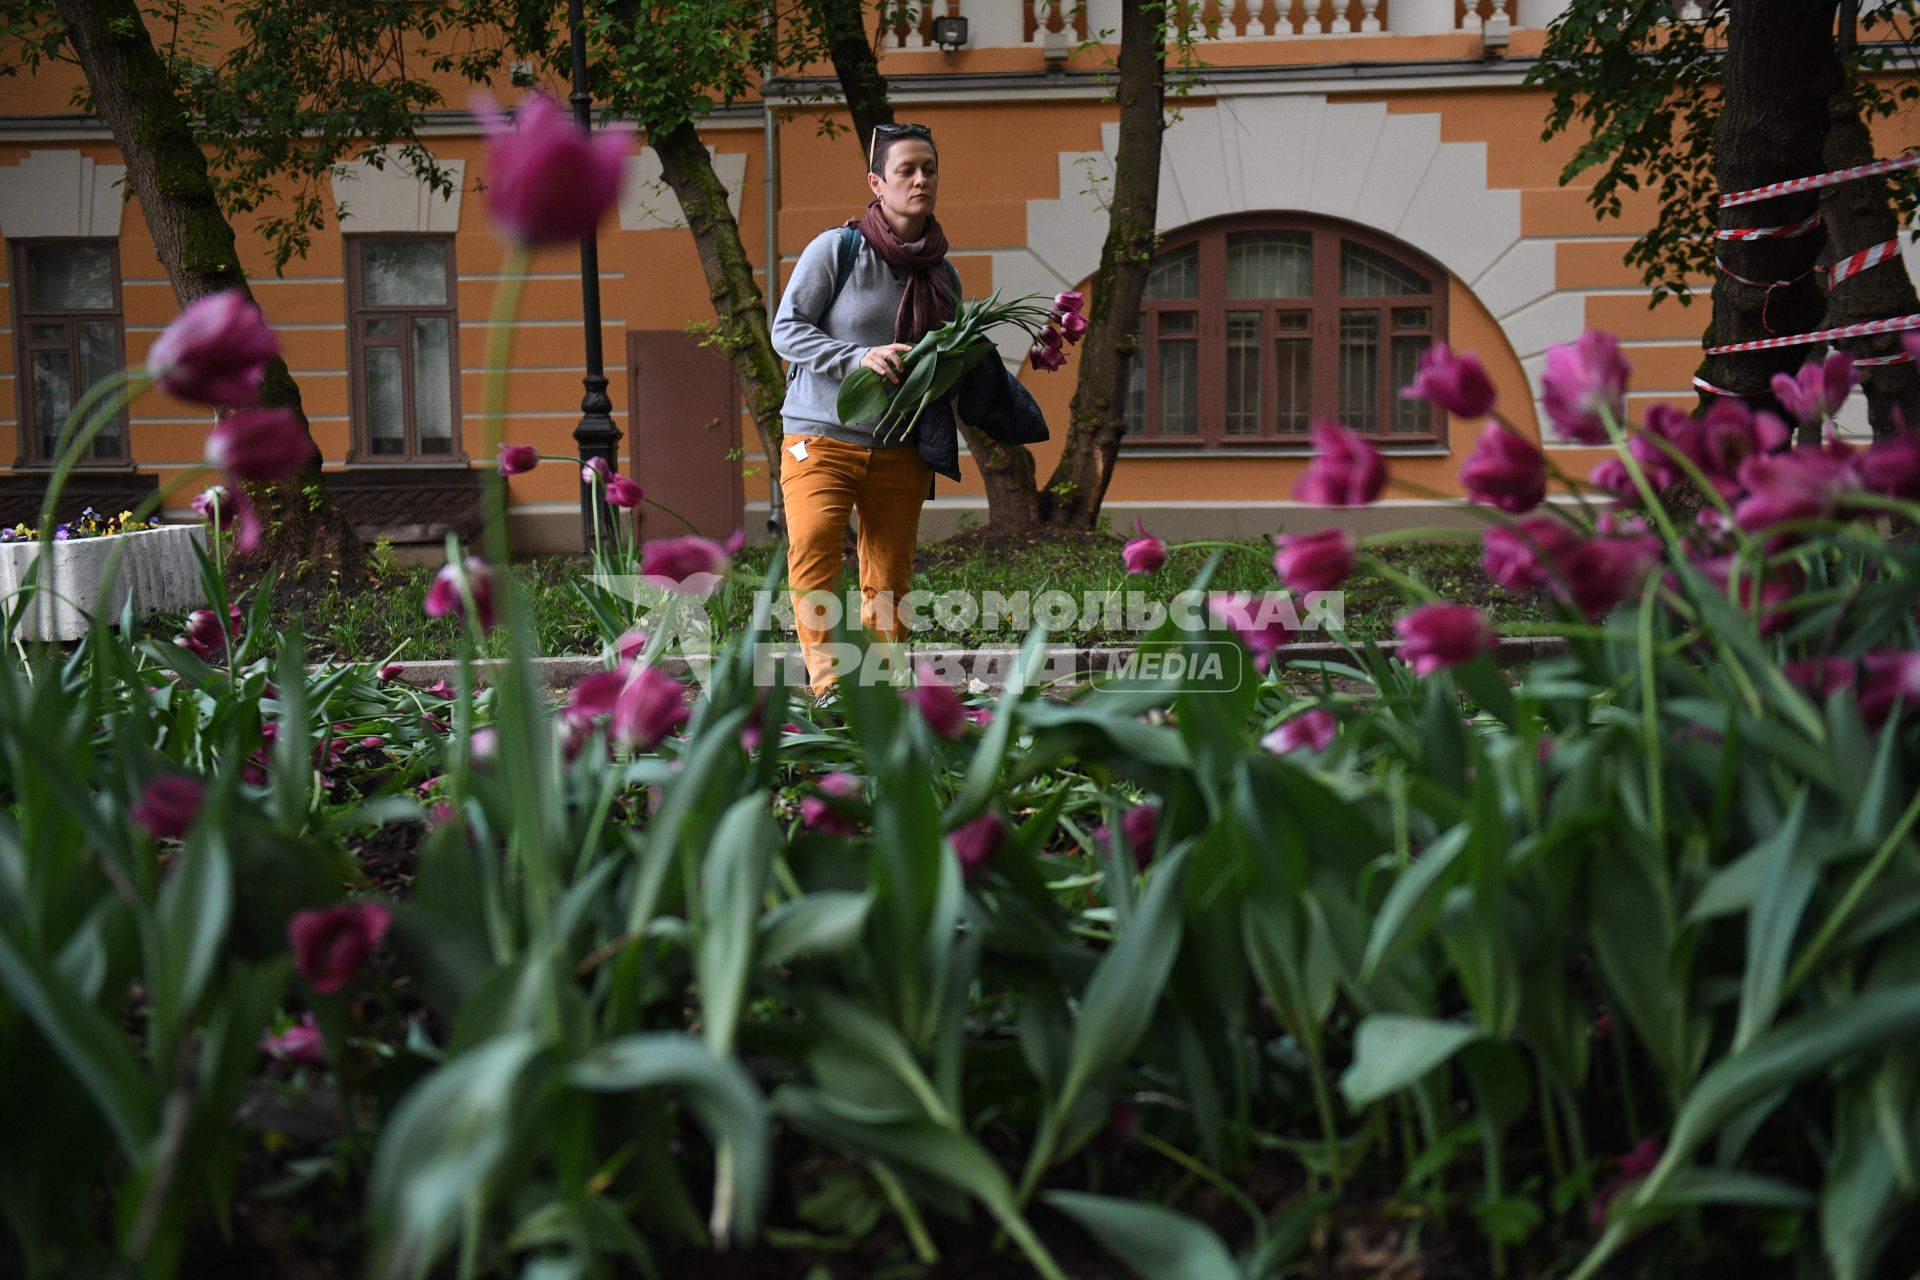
(823, 350)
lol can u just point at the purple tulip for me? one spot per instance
(624, 493)
(978, 843)
(517, 459)
(204, 637)
(1313, 731)
(259, 446)
(1317, 561)
(389, 673)
(817, 812)
(1505, 471)
(1730, 433)
(1436, 636)
(1635, 1166)
(1457, 383)
(168, 806)
(300, 1044)
(1073, 325)
(1821, 677)
(1818, 391)
(331, 946)
(1261, 622)
(691, 565)
(1072, 302)
(1887, 677)
(1804, 484)
(216, 351)
(215, 505)
(596, 471)
(1146, 553)
(444, 599)
(1599, 573)
(650, 706)
(548, 180)
(1345, 471)
(1583, 385)
(1141, 827)
(938, 704)
(1041, 356)
(1891, 467)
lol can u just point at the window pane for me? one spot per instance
(53, 332)
(1293, 366)
(1367, 274)
(1178, 322)
(1176, 274)
(386, 402)
(1243, 373)
(1409, 318)
(1360, 370)
(1179, 388)
(1269, 264)
(1411, 416)
(384, 327)
(99, 359)
(52, 375)
(69, 277)
(400, 273)
(1293, 322)
(432, 385)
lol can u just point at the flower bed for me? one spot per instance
(1607, 969)
(158, 568)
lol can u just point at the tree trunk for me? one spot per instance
(842, 24)
(307, 537)
(1780, 75)
(1859, 215)
(743, 333)
(1098, 418)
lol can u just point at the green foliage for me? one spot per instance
(1642, 95)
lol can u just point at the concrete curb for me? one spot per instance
(564, 672)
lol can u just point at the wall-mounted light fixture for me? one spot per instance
(949, 33)
(1056, 47)
(1495, 36)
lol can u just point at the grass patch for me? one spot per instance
(385, 615)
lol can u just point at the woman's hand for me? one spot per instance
(886, 361)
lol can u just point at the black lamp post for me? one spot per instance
(596, 435)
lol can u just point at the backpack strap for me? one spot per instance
(843, 267)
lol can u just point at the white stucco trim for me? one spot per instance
(61, 193)
(382, 195)
(647, 203)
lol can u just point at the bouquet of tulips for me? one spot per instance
(938, 361)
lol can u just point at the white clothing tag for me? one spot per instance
(799, 450)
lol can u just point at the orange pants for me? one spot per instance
(887, 487)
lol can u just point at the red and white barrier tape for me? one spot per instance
(1816, 181)
(1787, 232)
(1712, 390)
(1854, 265)
(1731, 274)
(1893, 324)
(1868, 362)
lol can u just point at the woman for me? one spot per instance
(895, 287)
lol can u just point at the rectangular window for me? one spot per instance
(1243, 373)
(1179, 372)
(406, 348)
(1360, 370)
(1293, 367)
(71, 336)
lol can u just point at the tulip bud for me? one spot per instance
(216, 351)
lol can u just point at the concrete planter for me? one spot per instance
(158, 566)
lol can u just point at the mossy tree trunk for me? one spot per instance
(741, 332)
(307, 537)
(1859, 215)
(843, 28)
(1780, 76)
(1078, 486)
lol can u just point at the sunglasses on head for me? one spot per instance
(891, 131)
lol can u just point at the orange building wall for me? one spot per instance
(997, 155)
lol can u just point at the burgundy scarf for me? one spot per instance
(927, 303)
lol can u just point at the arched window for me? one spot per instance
(1253, 328)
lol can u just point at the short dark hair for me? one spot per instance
(885, 135)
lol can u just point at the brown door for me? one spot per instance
(686, 416)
